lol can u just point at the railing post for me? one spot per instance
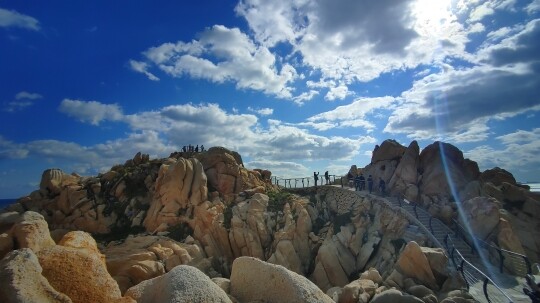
(341, 181)
(485, 289)
(415, 213)
(430, 226)
(463, 273)
(528, 263)
(501, 260)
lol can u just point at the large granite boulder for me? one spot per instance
(182, 284)
(406, 173)
(255, 280)
(21, 280)
(32, 231)
(481, 215)
(78, 270)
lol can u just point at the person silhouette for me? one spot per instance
(327, 177)
(316, 177)
(370, 183)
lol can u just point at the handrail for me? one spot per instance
(464, 261)
(487, 245)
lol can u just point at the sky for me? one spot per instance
(294, 86)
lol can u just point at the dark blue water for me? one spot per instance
(6, 202)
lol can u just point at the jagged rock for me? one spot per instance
(223, 283)
(406, 173)
(435, 170)
(182, 284)
(256, 280)
(21, 280)
(497, 176)
(180, 185)
(389, 150)
(373, 275)
(141, 258)
(481, 214)
(413, 263)
(79, 271)
(358, 291)
(7, 220)
(32, 231)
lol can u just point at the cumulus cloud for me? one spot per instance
(220, 55)
(11, 150)
(458, 103)
(355, 114)
(11, 18)
(533, 7)
(92, 112)
(514, 156)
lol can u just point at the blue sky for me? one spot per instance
(293, 86)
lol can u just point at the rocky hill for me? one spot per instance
(200, 227)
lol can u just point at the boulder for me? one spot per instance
(256, 280)
(389, 150)
(413, 263)
(21, 280)
(79, 271)
(406, 172)
(6, 244)
(358, 291)
(481, 214)
(182, 284)
(32, 231)
(497, 176)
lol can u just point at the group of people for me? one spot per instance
(359, 182)
(193, 149)
(326, 177)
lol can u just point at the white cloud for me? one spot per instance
(262, 111)
(533, 7)
(11, 18)
(22, 100)
(514, 156)
(355, 114)
(305, 96)
(142, 67)
(11, 150)
(337, 93)
(90, 111)
(224, 54)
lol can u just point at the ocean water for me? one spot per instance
(6, 202)
(534, 187)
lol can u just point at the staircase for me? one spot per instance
(483, 280)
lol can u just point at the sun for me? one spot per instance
(432, 13)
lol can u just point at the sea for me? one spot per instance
(534, 186)
(6, 202)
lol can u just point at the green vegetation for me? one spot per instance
(277, 200)
(180, 232)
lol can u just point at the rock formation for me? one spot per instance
(197, 216)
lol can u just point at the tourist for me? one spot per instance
(370, 183)
(316, 177)
(327, 177)
(362, 182)
(350, 178)
(357, 183)
(382, 187)
(197, 148)
(202, 148)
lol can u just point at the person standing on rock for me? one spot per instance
(362, 182)
(357, 183)
(350, 178)
(316, 177)
(382, 187)
(327, 177)
(370, 183)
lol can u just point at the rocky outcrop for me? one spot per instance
(140, 258)
(78, 270)
(182, 284)
(255, 280)
(481, 215)
(32, 231)
(21, 280)
(405, 178)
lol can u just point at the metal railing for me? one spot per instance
(301, 182)
(472, 275)
(517, 264)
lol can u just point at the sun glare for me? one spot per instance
(432, 15)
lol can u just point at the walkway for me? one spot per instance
(511, 286)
